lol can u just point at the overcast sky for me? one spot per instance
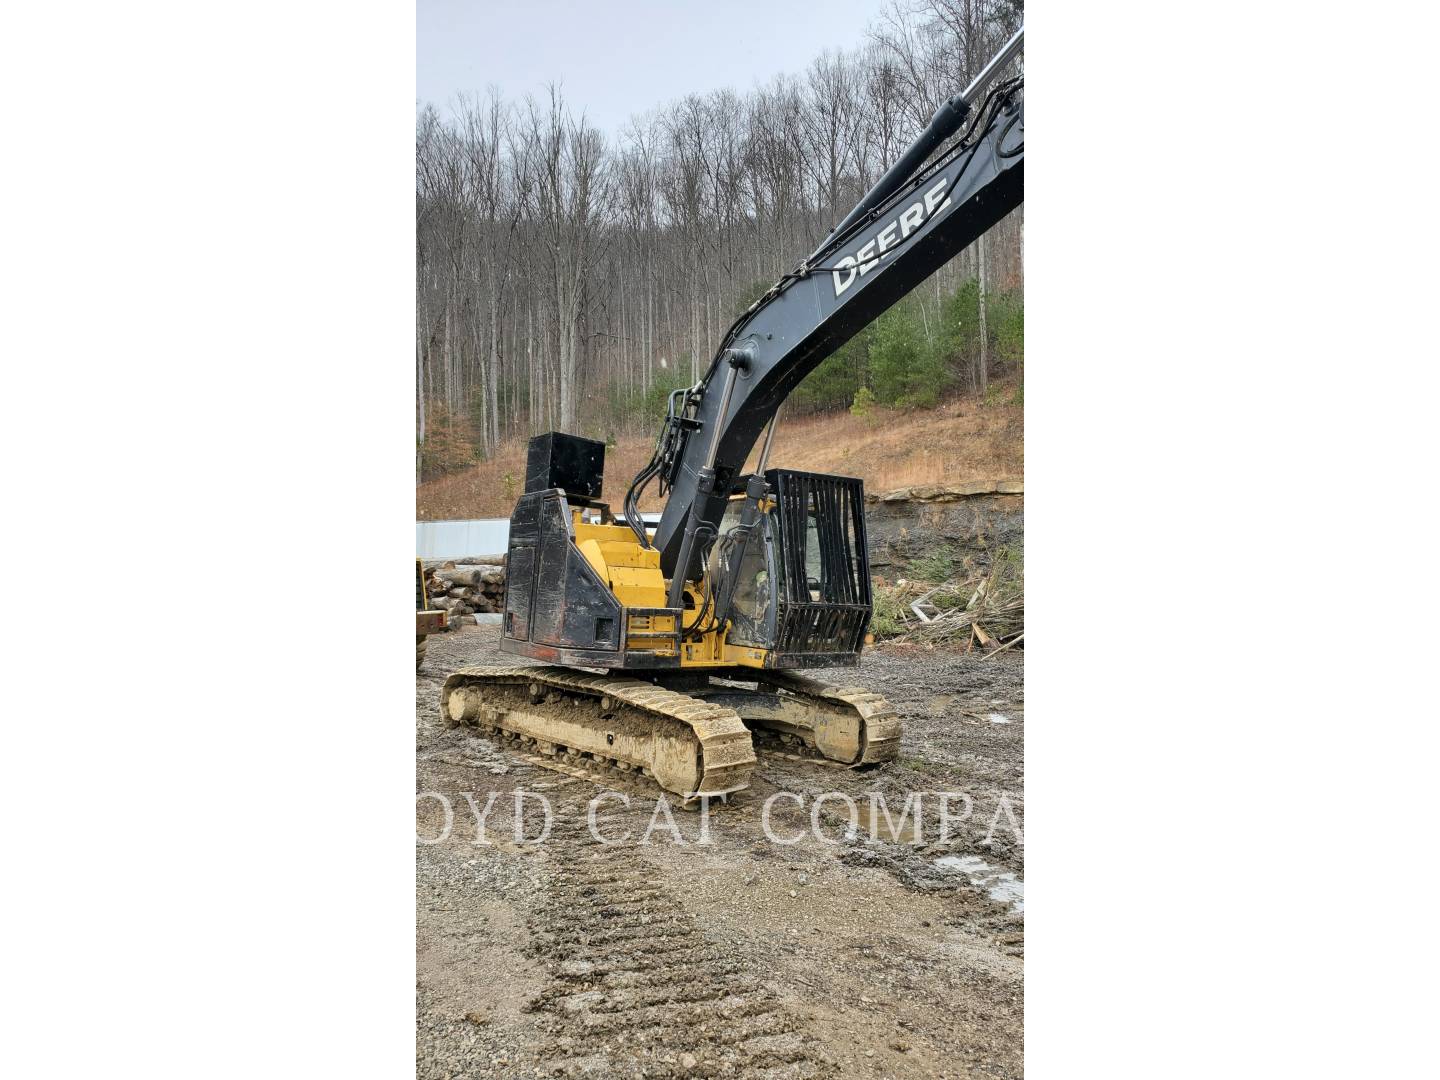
(615, 58)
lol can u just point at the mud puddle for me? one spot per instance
(879, 822)
(999, 885)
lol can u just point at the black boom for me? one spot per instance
(899, 238)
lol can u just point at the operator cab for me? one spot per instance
(802, 585)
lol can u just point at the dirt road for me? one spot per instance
(812, 954)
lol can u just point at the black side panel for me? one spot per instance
(520, 565)
(568, 606)
(548, 611)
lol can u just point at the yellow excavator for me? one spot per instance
(671, 651)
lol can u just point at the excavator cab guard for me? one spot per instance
(803, 581)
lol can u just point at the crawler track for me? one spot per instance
(607, 728)
(600, 725)
(638, 989)
(805, 719)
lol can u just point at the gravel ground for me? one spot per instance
(876, 954)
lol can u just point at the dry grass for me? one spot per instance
(959, 441)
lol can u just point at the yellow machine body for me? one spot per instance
(633, 574)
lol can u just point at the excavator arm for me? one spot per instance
(912, 222)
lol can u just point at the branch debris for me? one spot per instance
(971, 607)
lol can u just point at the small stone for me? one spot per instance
(688, 1061)
(804, 879)
(793, 894)
(581, 1002)
(869, 1053)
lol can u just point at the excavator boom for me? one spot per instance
(906, 228)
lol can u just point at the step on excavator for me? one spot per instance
(672, 652)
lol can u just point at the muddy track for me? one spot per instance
(735, 957)
(638, 988)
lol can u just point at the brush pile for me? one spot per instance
(465, 587)
(969, 607)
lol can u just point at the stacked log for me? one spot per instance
(466, 587)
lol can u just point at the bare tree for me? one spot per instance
(554, 271)
(568, 161)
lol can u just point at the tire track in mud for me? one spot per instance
(637, 987)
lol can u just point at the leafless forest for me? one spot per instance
(565, 278)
